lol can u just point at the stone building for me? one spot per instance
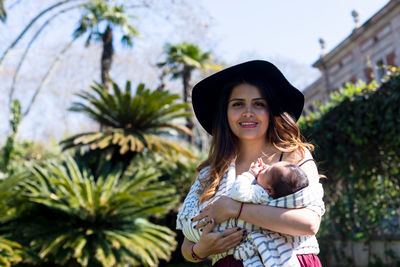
(361, 56)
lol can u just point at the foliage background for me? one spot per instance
(358, 149)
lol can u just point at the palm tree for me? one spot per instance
(133, 123)
(73, 219)
(98, 13)
(3, 13)
(182, 60)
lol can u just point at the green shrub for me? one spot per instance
(73, 220)
(358, 148)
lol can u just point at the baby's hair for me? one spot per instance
(288, 184)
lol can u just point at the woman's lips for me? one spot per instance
(248, 124)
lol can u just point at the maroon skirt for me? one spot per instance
(306, 260)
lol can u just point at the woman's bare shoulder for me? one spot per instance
(310, 168)
(297, 156)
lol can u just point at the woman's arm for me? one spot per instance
(287, 221)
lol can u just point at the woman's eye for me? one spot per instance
(260, 104)
(237, 104)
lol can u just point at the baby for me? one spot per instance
(273, 185)
(263, 182)
(279, 179)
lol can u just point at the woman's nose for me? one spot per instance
(248, 112)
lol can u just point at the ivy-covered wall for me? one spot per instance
(357, 139)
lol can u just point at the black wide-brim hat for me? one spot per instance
(206, 93)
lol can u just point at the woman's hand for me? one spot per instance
(217, 242)
(220, 210)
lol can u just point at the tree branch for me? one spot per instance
(14, 4)
(29, 25)
(46, 77)
(16, 73)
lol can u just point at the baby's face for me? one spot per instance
(266, 176)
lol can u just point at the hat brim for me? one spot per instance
(206, 93)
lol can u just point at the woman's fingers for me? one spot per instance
(230, 231)
(202, 215)
(232, 243)
(200, 224)
(220, 210)
(208, 228)
(232, 237)
(198, 217)
(218, 242)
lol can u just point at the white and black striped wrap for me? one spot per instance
(274, 248)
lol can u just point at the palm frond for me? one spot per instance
(100, 11)
(75, 219)
(135, 121)
(10, 252)
(188, 55)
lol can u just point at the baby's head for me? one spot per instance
(282, 179)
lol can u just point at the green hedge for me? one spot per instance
(357, 138)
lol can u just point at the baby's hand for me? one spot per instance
(256, 167)
(253, 170)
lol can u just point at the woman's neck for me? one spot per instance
(250, 152)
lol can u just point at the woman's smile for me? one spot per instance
(248, 124)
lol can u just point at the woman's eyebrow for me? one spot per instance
(242, 99)
(236, 99)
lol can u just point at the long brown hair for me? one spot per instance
(282, 132)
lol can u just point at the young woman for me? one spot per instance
(250, 110)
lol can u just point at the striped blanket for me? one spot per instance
(263, 247)
(300, 244)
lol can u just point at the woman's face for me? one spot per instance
(248, 113)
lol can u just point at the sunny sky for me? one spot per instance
(284, 28)
(285, 32)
